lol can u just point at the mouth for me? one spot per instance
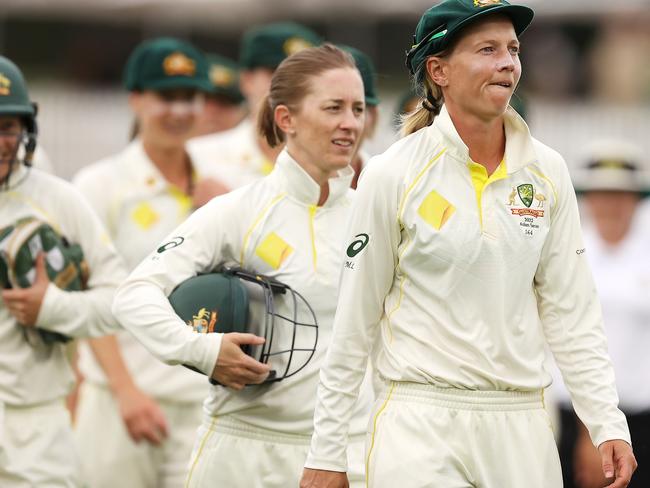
(343, 142)
(503, 84)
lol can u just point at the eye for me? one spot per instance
(359, 109)
(487, 49)
(515, 50)
(333, 108)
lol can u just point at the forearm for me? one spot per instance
(109, 356)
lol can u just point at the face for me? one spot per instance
(218, 115)
(168, 117)
(480, 74)
(11, 129)
(255, 85)
(612, 212)
(323, 132)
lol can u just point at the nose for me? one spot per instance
(506, 61)
(351, 121)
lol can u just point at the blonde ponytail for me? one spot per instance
(427, 110)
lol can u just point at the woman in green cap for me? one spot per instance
(465, 261)
(137, 416)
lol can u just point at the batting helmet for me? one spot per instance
(14, 101)
(236, 300)
(21, 243)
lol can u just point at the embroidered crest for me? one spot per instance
(203, 322)
(295, 44)
(526, 192)
(5, 85)
(221, 76)
(486, 3)
(179, 64)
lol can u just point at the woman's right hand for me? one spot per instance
(236, 369)
(318, 478)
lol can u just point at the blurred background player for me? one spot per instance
(36, 443)
(241, 154)
(288, 226)
(224, 107)
(612, 180)
(368, 74)
(137, 417)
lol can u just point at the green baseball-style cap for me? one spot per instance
(438, 25)
(166, 63)
(267, 46)
(368, 74)
(224, 76)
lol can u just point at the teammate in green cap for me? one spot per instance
(224, 107)
(368, 74)
(466, 261)
(143, 411)
(241, 154)
(47, 295)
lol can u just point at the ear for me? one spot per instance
(437, 70)
(135, 101)
(284, 120)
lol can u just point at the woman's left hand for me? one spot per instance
(618, 462)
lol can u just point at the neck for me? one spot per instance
(319, 176)
(172, 162)
(485, 139)
(270, 153)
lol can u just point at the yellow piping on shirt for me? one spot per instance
(401, 289)
(312, 213)
(206, 436)
(44, 214)
(415, 181)
(374, 430)
(255, 223)
(546, 178)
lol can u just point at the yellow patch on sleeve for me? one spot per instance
(435, 210)
(273, 250)
(144, 215)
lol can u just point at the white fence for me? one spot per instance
(80, 125)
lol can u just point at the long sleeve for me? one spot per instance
(198, 245)
(571, 317)
(88, 312)
(367, 277)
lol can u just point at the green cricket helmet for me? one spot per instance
(236, 300)
(21, 243)
(15, 101)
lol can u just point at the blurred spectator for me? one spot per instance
(241, 154)
(612, 183)
(224, 107)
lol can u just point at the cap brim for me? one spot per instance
(520, 15)
(610, 180)
(18, 110)
(372, 101)
(179, 82)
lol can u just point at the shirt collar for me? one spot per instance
(519, 143)
(298, 184)
(143, 171)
